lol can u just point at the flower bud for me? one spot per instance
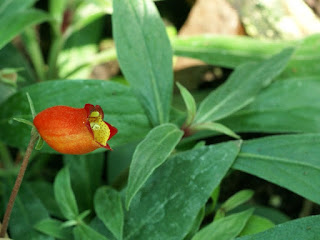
(71, 130)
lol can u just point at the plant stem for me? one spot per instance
(33, 47)
(16, 187)
(55, 49)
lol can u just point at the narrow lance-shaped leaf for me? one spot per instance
(84, 232)
(18, 22)
(189, 102)
(53, 227)
(227, 51)
(233, 202)
(150, 154)
(85, 175)
(145, 55)
(291, 161)
(64, 195)
(304, 228)
(256, 224)
(231, 51)
(290, 105)
(108, 207)
(176, 191)
(226, 228)
(241, 87)
(216, 127)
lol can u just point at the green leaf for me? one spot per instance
(18, 61)
(64, 195)
(213, 126)
(27, 211)
(226, 228)
(18, 22)
(44, 191)
(241, 87)
(291, 161)
(99, 226)
(11, 7)
(274, 215)
(196, 223)
(237, 199)
(232, 51)
(53, 228)
(149, 155)
(145, 55)
(176, 191)
(85, 174)
(71, 63)
(108, 207)
(290, 105)
(84, 232)
(256, 224)
(304, 228)
(120, 107)
(88, 11)
(227, 51)
(189, 102)
(233, 202)
(39, 144)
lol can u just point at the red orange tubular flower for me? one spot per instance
(71, 130)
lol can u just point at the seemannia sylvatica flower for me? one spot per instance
(71, 130)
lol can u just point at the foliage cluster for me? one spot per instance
(274, 89)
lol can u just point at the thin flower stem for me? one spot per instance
(5, 222)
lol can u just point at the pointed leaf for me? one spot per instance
(237, 199)
(294, 159)
(53, 228)
(226, 228)
(290, 105)
(84, 232)
(176, 192)
(233, 202)
(256, 224)
(44, 191)
(145, 55)
(64, 195)
(189, 102)
(304, 228)
(241, 87)
(85, 174)
(213, 126)
(18, 22)
(150, 154)
(232, 51)
(227, 51)
(108, 207)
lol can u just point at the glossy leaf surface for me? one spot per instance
(291, 161)
(241, 88)
(176, 192)
(150, 154)
(145, 55)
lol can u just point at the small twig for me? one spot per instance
(5, 222)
